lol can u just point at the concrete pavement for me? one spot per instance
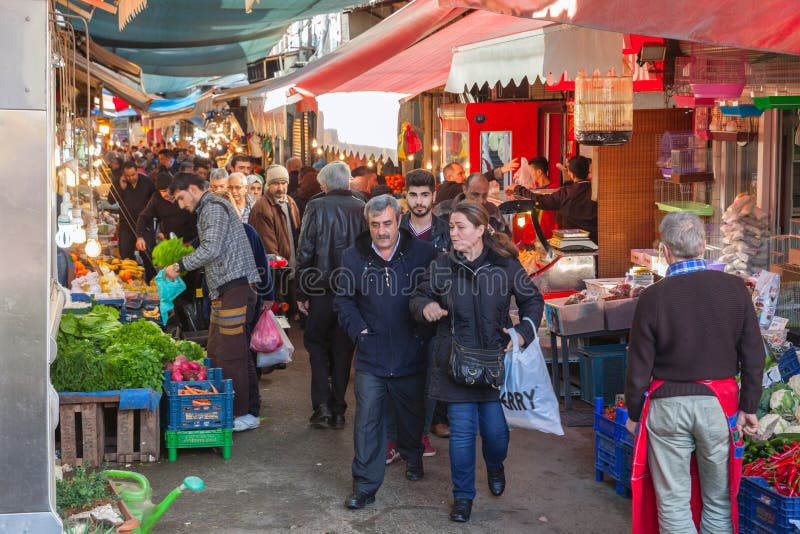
(285, 476)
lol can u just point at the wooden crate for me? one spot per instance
(105, 433)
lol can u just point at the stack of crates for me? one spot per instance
(208, 423)
(613, 448)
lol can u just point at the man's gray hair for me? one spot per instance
(218, 174)
(335, 175)
(239, 175)
(684, 234)
(378, 204)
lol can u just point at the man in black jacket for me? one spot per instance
(132, 192)
(379, 275)
(331, 223)
(171, 219)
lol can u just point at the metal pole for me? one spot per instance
(28, 414)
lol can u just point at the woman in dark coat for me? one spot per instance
(469, 292)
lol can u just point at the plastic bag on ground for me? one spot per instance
(282, 355)
(527, 395)
(267, 334)
(168, 291)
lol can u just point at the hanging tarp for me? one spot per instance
(769, 25)
(546, 53)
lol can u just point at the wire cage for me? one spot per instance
(681, 152)
(717, 76)
(780, 245)
(692, 197)
(788, 305)
(777, 77)
(714, 244)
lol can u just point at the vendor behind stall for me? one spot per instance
(573, 202)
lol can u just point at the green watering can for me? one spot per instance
(135, 491)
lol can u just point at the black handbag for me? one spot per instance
(482, 368)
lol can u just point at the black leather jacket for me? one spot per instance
(331, 224)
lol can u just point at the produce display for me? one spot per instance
(532, 260)
(111, 278)
(776, 461)
(620, 291)
(745, 236)
(184, 369)
(98, 353)
(397, 183)
(170, 251)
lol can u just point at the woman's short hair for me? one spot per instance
(684, 234)
(335, 175)
(378, 204)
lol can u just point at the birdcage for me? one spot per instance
(681, 89)
(741, 108)
(781, 247)
(731, 128)
(717, 76)
(683, 157)
(671, 197)
(603, 109)
(775, 83)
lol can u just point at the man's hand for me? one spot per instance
(172, 272)
(632, 426)
(747, 423)
(123, 183)
(302, 305)
(512, 165)
(510, 345)
(433, 312)
(140, 244)
(160, 236)
(266, 305)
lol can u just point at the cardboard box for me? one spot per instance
(787, 272)
(573, 319)
(794, 256)
(619, 313)
(645, 257)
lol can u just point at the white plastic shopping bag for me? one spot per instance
(281, 355)
(527, 395)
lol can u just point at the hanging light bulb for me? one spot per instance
(411, 157)
(435, 146)
(466, 165)
(319, 151)
(429, 166)
(341, 156)
(370, 164)
(92, 248)
(314, 143)
(78, 234)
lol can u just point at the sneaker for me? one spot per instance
(391, 452)
(429, 449)
(246, 422)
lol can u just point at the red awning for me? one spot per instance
(767, 25)
(427, 64)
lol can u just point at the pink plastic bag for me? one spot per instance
(267, 334)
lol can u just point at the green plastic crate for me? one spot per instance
(602, 372)
(196, 439)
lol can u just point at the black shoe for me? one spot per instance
(356, 501)
(461, 510)
(414, 474)
(337, 421)
(321, 417)
(497, 481)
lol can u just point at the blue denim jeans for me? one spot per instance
(466, 419)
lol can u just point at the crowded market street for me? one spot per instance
(285, 476)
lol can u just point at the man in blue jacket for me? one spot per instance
(379, 273)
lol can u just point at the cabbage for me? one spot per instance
(771, 424)
(794, 383)
(783, 402)
(795, 429)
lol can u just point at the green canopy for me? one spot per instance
(184, 43)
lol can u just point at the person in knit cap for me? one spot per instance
(277, 220)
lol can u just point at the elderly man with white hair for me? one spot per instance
(331, 223)
(693, 333)
(242, 200)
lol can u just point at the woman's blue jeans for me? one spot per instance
(466, 419)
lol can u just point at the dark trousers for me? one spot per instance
(228, 343)
(466, 420)
(127, 250)
(330, 352)
(373, 393)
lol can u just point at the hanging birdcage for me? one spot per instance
(731, 128)
(717, 76)
(682, 88)
(775, 83)
(683, 157)
(603, 109)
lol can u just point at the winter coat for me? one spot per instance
(477, 296)
(331, 223)
(440, 232)
(375, 297)
(268, 219)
